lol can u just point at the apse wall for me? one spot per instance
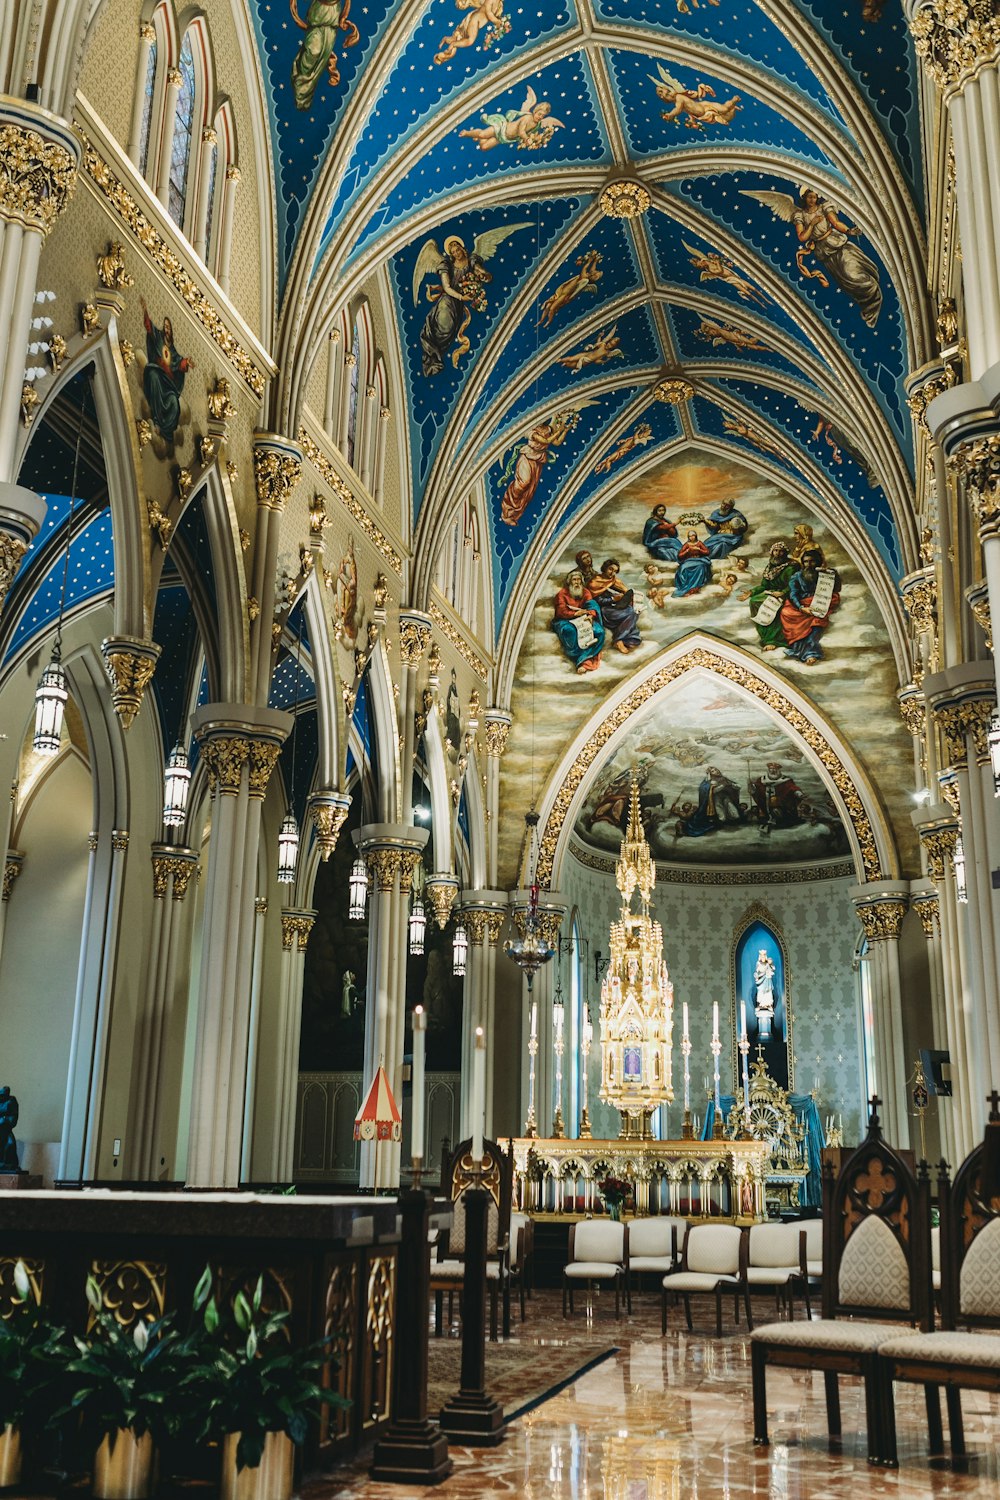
(819, 928)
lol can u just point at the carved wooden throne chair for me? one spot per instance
(458, 1174)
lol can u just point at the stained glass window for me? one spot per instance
(180, 151)
(147, 107)
(352, 398)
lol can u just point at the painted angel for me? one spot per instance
(716, 267)
(597, 352)
(719, 334)
(487, 16)
(699, 104)
(529, 128)
(642, 435)
(325, 21)
(460, 291)
(750, 434)
(527, 459)
(823, 233)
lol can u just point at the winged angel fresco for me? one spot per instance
(823, 233)
(459, 291)
(483, 16)
(699, 104)
(528, 457)
(529, 128)
(324, 19)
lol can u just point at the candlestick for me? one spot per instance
(744, 1045)
(716, 1050)
(478, 1094)
(687, 1129)
(530, 1124)
(586, 1040)
(419, 1052)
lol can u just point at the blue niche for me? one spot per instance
(761, 997)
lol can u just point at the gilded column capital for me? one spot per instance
(475, 924)
(939, 841)
(384, 863)
(147, 31)
(172, 863)
(130, 664)
(978, 599)
(977, 462)
(175, 78)
(923, 386)
(233, 735)
(881, 919)
(119, 840)
(13, 864)
(224, 755)
(928, 909)
(260, 906)
(497, 728)
(955, 38)
(328, 811)
(263, 758)
(414, 635)
(912, 709)
(277, 468)
(39, 157)
(296, 925)
(441, 890)
(12, 550)
(919, 591)
(494, 926)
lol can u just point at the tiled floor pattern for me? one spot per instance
(672, 1418)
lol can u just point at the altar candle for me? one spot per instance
(685, 1020)
(419, 1048)
(715, 1020)
(478, 1094)
(534, 1019)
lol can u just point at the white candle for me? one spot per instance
(534, 1019)
(685, 1020)
(743, 1021)
(478, 1094)
(715, 1020)
(419, 1047)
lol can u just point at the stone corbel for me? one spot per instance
(440, 890)
(328, 811)
(130, 664)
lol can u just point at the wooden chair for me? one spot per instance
(598, 1251)
(448, 1270)
(775, 1257)
(876, 1259)
(970, 1297)
(714, 1260)
(522, 1258)
(653, 1248)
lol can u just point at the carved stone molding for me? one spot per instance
(12, 867)
(441, 891)
(175, 864)
(928, 909)
(277, 468)
(414, 634)
(225, 755)
(978, 463)
(497, 729)
(384, 866)
(263, 758)
(130, 664)
(12, 550)
(956, 38)
(882, 919)
(37, 175)
(939, 841)
(328, 811)
(296, 927)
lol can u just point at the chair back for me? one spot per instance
(458, 1173)
(456, 1234)
(598, 1239)
(970, 1246)
(814, 1238)
(713, 1249)
(774, 1245)
(876, 1235)
(655, 1237)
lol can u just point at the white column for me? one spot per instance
(381, 437)
(296, 925)
(147, 37)
(209, 143)
(334, 373)
(259, 933)
(924, 901)
(228, 221)
(277, 463)
(366, 434)
(161, 185)
(881, 907)
(498, 722)
(240, 746)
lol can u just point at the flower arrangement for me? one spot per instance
(615, 1191)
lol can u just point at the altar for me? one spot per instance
(713, 1179)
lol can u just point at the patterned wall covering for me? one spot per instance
(819, 928)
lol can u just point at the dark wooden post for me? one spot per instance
(472, 1417)
(413, 1449)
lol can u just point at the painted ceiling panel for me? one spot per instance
(441, 338)
(90, 574)
(707, 108)
(663, 424)
(175, 630)
(726, 336)
(291, 684)
(714, 421)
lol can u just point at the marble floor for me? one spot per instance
(672, 1418)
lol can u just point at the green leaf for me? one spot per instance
(241, 1312)
(252, 1344)
(94, 1295)
(140, 1336)
(202, 1290)
(211, 1316)
(258, 1293)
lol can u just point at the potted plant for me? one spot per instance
(259, 1394)
(33, 1355)
(125, 1387)
(615, 1191)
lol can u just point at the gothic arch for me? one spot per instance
(872, 846)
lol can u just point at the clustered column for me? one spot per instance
(296, 925)
(484, 914)
(881, 908)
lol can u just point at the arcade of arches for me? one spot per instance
(416, 415)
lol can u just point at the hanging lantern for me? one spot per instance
(993, 742)
(50, 703)
(459, 949)
(418, 926)
(288, 850)
(176, 785)
(958, 863)
(359, 890)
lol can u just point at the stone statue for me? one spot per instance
(8, 1119)
(347, 993)
(763, 978)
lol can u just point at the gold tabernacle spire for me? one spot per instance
(634, 870)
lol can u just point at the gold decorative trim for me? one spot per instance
(296, 927)
(13, 865)
(956, 38)
(672, 875)
(374, 533)
(881, 919)
(172, 267)
(743, 677)
(624, 199)
(457, 639)
(674, 390)
(37, 177)
(179, 865)
(129, 664)
(277, 469)
(928, 909)
(12, 550)
(111, 272)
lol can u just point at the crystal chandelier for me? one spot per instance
(176, 785)
(531, 950)
(637, 997)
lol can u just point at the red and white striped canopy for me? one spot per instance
(378, 1118)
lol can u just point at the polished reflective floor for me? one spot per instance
(671, 1418)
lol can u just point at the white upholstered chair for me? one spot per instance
(774, 1260)
(811, 1274)
(522, 1239)
(653, 1248)
(597, 1252)
(713, 1262)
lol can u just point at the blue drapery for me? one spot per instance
(807, 1115)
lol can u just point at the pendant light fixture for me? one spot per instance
(993, 744)
(176, 785)
(531, 951)
(418, 925)
(958, 864)
(51, 693)
(459, 948)
(288, 834)
(359, 890)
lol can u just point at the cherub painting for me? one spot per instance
(459, 291)
(719, 334)
(699, 104)
(585, 280)
(597, 352)
(838, 444)
(824, 234)
(751, 434)
(484, 16)
(324, 19)
(529, 128)
(716, 267)
(527, 459)
(642, 435)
